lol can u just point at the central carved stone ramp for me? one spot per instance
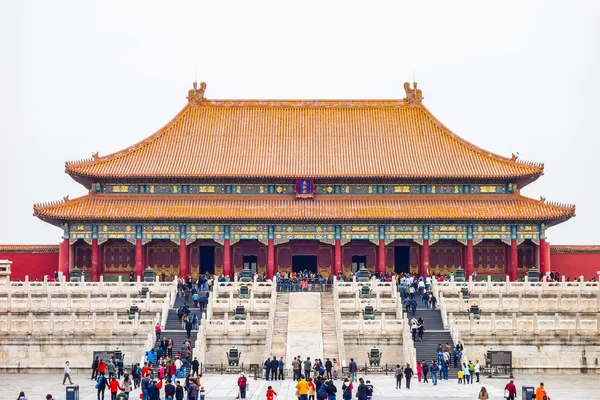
(280, 328)
(330, 344)
(304, 337)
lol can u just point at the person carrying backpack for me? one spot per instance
(101, 385)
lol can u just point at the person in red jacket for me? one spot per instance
(511, 390)
(114, 388)
(242, 384)
(271, 393)
(102, 367)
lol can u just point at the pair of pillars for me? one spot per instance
(227, 266)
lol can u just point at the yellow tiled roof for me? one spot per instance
(386, 139)
(285, 208)
(574, 249)
(28, 248)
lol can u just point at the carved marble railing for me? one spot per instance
(71, 303)
(358, 304)
(27, 286)
(339, 333)
(381, 326)
(489, 286)
(408, 347)
(252, 304)
(201, 346)
(517, 303)
(71, 324)
(517, 325)
(220, 327)
(376, 286)
(271, 321)
(450, 325)
(234, 287)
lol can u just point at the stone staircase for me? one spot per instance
(280, 326)
(330, 345)
(434, 335)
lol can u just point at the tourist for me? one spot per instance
(311, 389)
(67, 374)
(101, 385)
(413, 306)
(157, 331)
(510, 391)
(476, 370)
(114, 388)
(112, 370)
(483, 394)
(295, 369)
(280, 364)
(331, 390)
(335, 369)
(178, 391)
(460, 375)
(353, 369)
(22, 396)
(425, 300)
(271, 393)
(328, 366)
(188, 328)
(126, 384)
(307, 367)
(192, 390)
(267, 368)
(398, 375)
(347, 389)
(414, 329)
(472, 372)
(242, 383)
(169, 389)
(161, 372)
(274, 366)
(361, 391)
(408, 373)
(145, 384)
(95, 368)
(444, 368)
(195, 366)
(154, 392)
(421, 329)
(540, 393)
(467, 374)
(173, 371)
(201, 393)
(302, 388)
(369, 390)
(425, 369)
(435, 368)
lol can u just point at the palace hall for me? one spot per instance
(286, 185)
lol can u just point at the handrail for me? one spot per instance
(339, 334)
(271, 321)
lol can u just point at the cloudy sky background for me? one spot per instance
(78, 77)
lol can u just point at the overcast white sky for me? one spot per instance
(77, 77)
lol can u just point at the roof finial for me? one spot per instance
(514, 157)
(196, 94)
(413, 95)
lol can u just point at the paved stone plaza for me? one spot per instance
(219, 387)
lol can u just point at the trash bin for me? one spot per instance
(73, 392)
(527, 392)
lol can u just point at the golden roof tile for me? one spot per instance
(285, 208)
(28, 248)
(386, 139)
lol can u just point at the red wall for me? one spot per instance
(575, 265)
(36, 265)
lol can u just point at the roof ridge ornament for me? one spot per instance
(196, 95)
(413, 95)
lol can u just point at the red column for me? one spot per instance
(470, 268)
(544, 265)
(95, 270)
(227, 257)
(514, 265)
(63, 257)
(337, 267)
(381, 258)
(425, 254)
(139, 258)
(270, 259)
(182, 259)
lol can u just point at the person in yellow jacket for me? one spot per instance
(302, 387)
(540, 393)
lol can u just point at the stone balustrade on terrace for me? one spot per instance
(520, 325)
(523, 303)
(489, 286)
(380, 326)
(78, 303)
(383, 289)
(36, 324)
(85, 287)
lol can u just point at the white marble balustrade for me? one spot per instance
(27, 286)
(519, 324)
(68, 303)
(377, 287)
(49, 324)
